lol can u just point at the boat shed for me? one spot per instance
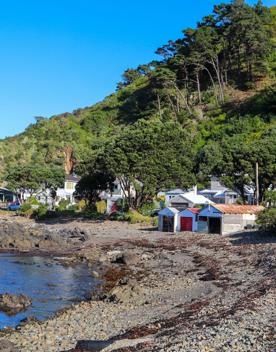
(188, 219)
(227, 218)
(168, 219)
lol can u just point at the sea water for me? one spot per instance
(50, 285)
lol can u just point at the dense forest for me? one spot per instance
(207, 107)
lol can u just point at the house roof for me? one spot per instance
(72, 178)
(222, 194)
(190, 210)
(176, 191)
(194, 210)
(168, 211)
(218, 193)
(6, 191)
(191, 197)
(208, 191)
(238, 209)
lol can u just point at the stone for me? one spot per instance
(13, 304)
(130, 259)
(7, 346)
(115, 257)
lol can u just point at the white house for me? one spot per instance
(45, 197)
(117, 193)
(188, 219)
(69, 189)
(168, 220)
(220, 194)
(170, 194)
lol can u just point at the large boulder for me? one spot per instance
(130, 258)
(13, 304)
(123, 293)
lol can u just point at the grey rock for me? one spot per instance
(7, 346)
(13, 304)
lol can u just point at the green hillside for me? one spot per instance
(215, 86)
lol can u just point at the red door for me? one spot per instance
(186, 224)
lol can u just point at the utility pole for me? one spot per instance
(257, 183)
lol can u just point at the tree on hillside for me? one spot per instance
(149, 156)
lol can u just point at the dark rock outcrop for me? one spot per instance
(28, 236)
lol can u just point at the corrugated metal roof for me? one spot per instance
(238, 209)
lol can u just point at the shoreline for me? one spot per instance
(170, 292)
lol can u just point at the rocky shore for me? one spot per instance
(161, 292)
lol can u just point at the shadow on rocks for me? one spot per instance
(252, 237)
(90, 346)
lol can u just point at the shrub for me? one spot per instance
(63, 204)
(148, 208)
(267, 220)
(73, 208)
(91, 213)
(134, 217)
(25, 207)
(101, 207)
(25, 210)
(119, 216)
(41, 212)
(198, 206)
(32, 201)
(81, 205)
(121, 205)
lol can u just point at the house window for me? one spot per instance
(196, 217)
(70, 185)
(203, 218)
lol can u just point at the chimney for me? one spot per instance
(195, 189)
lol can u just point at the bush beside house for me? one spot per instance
(267, 220)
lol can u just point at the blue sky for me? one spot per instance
(59, 55)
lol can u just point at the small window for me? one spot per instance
(70, 185)
(196, 217)
(203, 218)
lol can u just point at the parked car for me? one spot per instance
(14, 206)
